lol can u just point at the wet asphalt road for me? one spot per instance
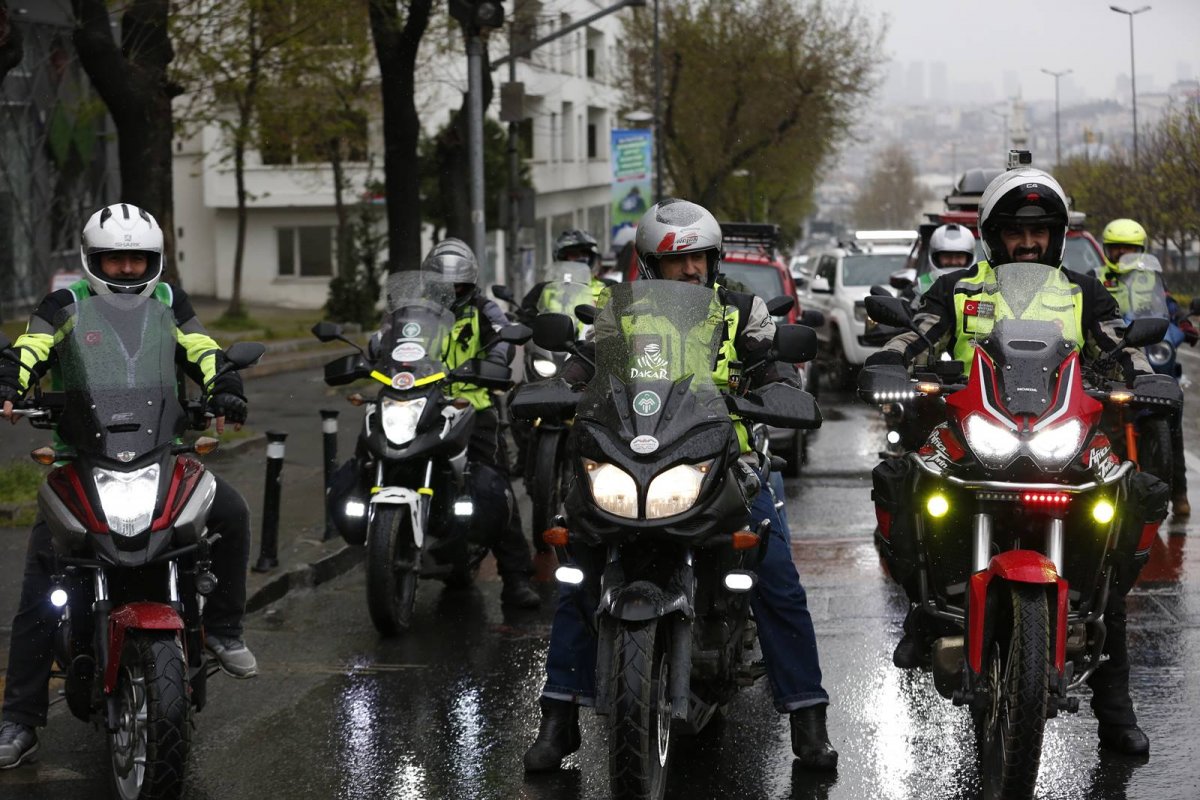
(447, 711)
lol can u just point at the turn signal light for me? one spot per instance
(1120, 397)
(356, 399)
(43, 455)
(928, 387)
(555, 537)
(205, 445)
(745, 540)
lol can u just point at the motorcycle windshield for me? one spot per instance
(1138, 287)
(415, 335)
(565, 272)
(1035, 329)
(116, 361)
(561, 297)
(657, 343)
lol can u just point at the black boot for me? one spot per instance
(558, 736)
(1126, 739)
(810, 740)
(911, 651)
(517, 593)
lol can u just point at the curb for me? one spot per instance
(305, 576)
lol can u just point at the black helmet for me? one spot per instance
(1023, 197)
(575, 239)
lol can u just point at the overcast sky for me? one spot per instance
(1006, 43)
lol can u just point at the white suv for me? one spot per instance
(842, 278)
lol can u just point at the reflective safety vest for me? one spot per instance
(720, 372)
(464, 346)
(978, 304)
(1136, 291)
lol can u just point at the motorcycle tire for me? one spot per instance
(640, 722)
(1154, 448)
(391, 577)
(546, 488)
(1017, 662)
(149, 750)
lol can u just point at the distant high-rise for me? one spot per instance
(938, 82)
(915, 90)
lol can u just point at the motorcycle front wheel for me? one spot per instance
(546, 488)
(1154, 448)
(1009, 731)
(640, 723)
(149, 749)
(391, 569)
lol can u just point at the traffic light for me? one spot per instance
(478, 14)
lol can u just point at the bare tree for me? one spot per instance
(891, 196)
(132, 80)
(397, 40)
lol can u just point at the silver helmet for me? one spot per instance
(122, 227)
(1024, 196)
(677, 226)
(453, 260)
(574, 239)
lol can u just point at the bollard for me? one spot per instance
(268, 554)
(329, 431)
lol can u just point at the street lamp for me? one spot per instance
(1004, 116)
(1132, 74)
(1057, 140)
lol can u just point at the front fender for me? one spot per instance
(1016, 566)
(641, 601)
(142, 616)
(1023, 566)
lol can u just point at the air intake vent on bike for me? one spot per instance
(1027, 345)
(124, 427)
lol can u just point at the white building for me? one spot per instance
(572, 98)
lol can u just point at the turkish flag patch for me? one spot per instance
(979, 308)
(971, 308)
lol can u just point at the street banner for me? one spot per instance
(632, 176)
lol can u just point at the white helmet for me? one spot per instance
(1025, 196)
(951, 238)
(122, 227)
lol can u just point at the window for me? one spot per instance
(525, 132)
(306, 252)
(592, 150)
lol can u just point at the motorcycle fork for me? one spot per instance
(101, 609)
(1130, 439)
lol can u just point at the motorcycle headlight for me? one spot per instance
(1160, 354)
(993, 444)
(127, 498)
(545, 367)
(1054, 447)
(400, 419)
(612, 487)
(675, 491)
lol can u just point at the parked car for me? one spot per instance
(843, 276)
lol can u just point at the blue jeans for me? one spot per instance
(785, 629)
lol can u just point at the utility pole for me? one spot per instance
(1057, 140)
(1132, 73)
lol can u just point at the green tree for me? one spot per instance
(765, 86)
(11, 49)
(891, 196)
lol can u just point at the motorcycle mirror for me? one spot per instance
(778, 306)
(812, 317)
(346, 369)
(586, 314)
(502, 292)
(327, 331)
(1146, 331)
(245, 354)
(795, 343)
(778, 404)
(553, 332)
(879, 291)
(900, 280)
(515, 334)
(888, 310)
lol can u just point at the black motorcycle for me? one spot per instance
(414, 507)
(127, 505)
(658, 509)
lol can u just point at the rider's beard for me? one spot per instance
(1033, 254)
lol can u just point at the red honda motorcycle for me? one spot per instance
(126, 505)
(1017, 508)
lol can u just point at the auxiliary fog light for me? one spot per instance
(937, 506)
(569, 574)
(355, 509)
(58, 598)
(893, 437)
(1103, 512)
(739, 581)
(463, 508)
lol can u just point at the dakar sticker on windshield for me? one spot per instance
(649, 362)
(647, 403)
